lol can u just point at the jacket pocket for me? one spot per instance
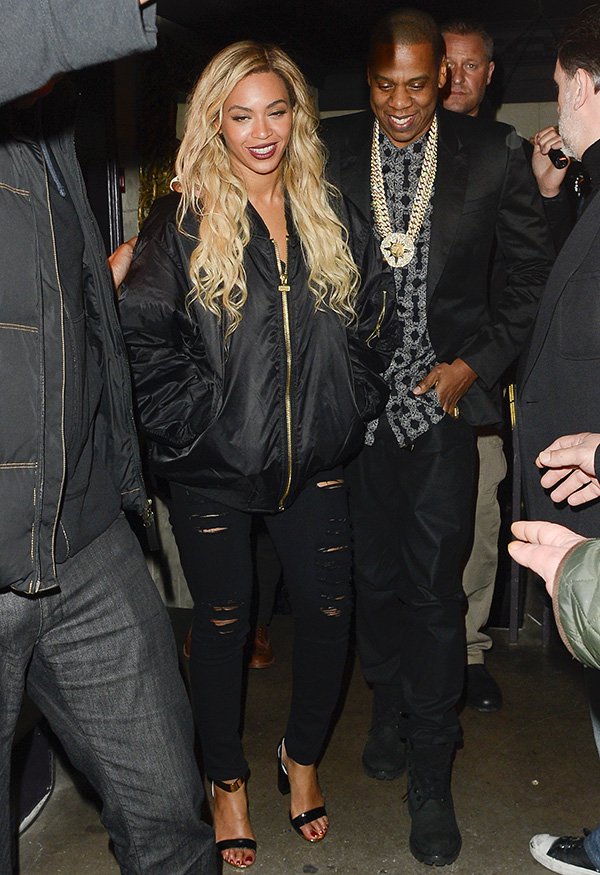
(189, 419)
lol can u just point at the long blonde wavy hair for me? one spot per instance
(218, 198)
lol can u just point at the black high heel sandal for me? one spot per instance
(227, 844)
(283, 785)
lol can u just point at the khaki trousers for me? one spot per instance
(480, 571)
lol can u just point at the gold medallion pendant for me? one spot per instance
(397, 249)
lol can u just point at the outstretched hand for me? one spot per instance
(542, 547)
(570, 460)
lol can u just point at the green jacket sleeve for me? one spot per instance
(576, 602)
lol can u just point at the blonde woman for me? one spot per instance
(256, 318)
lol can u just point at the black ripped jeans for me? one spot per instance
(312, 538)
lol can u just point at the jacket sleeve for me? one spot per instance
(47, 37)
(527, 251)
(372, 340)
(173, 384)
(576, 602)
(561, 213)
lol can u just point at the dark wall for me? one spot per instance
(329, 38)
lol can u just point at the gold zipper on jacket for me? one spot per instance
(284, 288)
(377, 329)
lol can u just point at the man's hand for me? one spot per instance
(450, 382)
(542, 547)
(548, 177)
(571, 457)
(120, 261)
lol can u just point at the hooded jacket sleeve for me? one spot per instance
(173, 383)
(47, 37)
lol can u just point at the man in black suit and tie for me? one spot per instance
(441, 188)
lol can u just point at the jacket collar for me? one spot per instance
(448, 199)
(259, 229)
(450, 186)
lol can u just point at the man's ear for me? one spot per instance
(443, 73)
(584, 88)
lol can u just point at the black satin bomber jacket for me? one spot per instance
(248, 421)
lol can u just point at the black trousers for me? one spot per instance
(312, 538)
(412, 514)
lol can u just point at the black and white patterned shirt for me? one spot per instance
(408, 415)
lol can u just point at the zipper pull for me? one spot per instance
(281, 269)
(149, 521)
(148, 514)
(376, 331)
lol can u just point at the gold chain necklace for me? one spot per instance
(398, 248)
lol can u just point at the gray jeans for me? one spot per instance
(99, 659)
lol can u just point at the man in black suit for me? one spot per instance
(441, 188)
(559, 396)
(559, 381)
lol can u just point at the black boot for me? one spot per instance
(434, 836)
(384, 756)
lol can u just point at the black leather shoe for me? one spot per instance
(434, 837)
(483, 693)
(564, 855)
(384, 756)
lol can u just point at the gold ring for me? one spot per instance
(455, 413)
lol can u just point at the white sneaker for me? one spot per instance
(565, 854)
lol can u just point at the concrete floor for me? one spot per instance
(532, 767)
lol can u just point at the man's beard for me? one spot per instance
(566, 128)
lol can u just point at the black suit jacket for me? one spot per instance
(560, 385)
(484, 194)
